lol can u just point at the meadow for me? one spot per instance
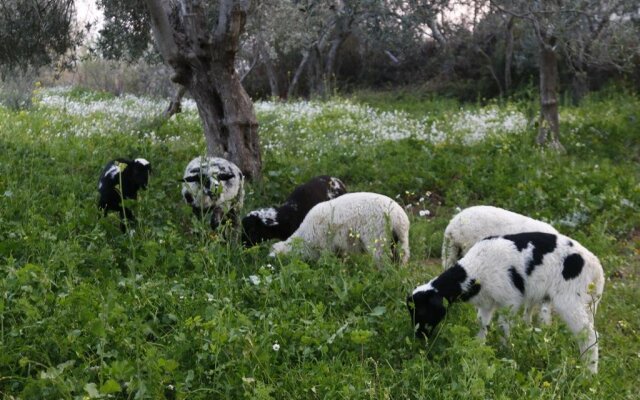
(174, 311)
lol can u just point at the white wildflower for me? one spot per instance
(275, 346)
(254, 279)
(424, 213)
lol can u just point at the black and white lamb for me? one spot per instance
(280, 222)
(352, 223)
(513, 271)
(214, 185)
(475, 223)
(121, 179)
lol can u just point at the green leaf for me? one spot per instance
(378, 311)
(110, 386)
(92, 390)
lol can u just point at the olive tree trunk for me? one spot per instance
(549, 126)
(202, 59)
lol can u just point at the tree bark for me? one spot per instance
(549, 124)
(579, 85)
(175, 106)
(270, 70)
(293, 86)
(203, 62)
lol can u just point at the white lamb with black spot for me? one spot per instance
(352, 223)
(215, 185)
(475, 223)
(514, 271)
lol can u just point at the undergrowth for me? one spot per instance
(174, 311)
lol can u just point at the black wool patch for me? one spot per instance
(572, 266)
(449, 283)
(474, 289)
(543, 243)
(516, 279)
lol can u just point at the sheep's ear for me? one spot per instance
(225, 176)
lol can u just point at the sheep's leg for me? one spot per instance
(580, 322)
(126, 218)
(484, 317)
(505, 323)
(232, 216)
(545, 313)
(528, 314)
(406, 253)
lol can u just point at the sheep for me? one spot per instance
(517, 270)
(121, 179)
(351, 223)
(281, 222)
(478, 222)
(216, 185)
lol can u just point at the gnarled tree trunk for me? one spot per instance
(203, 62)
(549, 127)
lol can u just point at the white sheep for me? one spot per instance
(352, 223)
(216, 185)
(519, 270)
(475, 223)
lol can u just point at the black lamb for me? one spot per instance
(121, 179)
(280, 222)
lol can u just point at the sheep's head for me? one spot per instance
(259, 225)
(426, 309)
(140, 170)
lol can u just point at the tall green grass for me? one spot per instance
(174, 311)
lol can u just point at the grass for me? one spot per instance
(173, 311)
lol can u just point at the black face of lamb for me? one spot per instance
(542, 243)
(426, 310)
(139, 175)
(572, 266)
(255, 231)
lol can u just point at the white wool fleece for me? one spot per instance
(496, 264)
(478, 222)
(352, 223)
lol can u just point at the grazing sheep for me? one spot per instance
(476, 223)
(216, 185)
(351, 223)
(281, 222)
(518, 270)
(121, 179)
